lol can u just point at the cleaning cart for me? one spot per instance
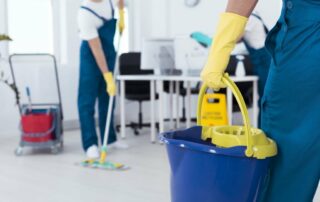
(219, 163)
(41, 124)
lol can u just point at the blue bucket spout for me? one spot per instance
(202, 172)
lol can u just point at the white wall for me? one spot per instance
(205, 16)
(3, 27)
(67, 50)
(7, 106)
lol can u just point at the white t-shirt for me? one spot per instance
(89, 23)
(255, 33)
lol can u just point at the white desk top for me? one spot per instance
(177, 78)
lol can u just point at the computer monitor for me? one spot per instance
(190, 56)
(158, 54)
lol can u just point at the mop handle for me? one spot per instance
(244, 111)
(29, 99)
(111, 101)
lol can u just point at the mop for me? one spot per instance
(102, 163)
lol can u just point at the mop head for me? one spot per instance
(105, 166)
(102, 163)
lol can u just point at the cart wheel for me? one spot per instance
(136, 132)
(55, 150)
(18, 151)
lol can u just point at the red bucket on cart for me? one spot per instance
(37, 127)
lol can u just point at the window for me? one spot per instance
(30, 26)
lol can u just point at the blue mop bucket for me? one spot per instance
(228, 172)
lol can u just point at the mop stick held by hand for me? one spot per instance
(103, 155)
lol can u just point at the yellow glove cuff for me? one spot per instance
(108, 77)
(230, 30)
(111, 86)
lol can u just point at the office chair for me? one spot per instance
(130, 64)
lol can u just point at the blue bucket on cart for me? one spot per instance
(204, 172)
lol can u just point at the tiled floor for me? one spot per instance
(56, 178)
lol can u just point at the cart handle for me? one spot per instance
(244, 111)
(55, 67)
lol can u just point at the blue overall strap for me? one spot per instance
(94, 13)
(264, 24)
(112, 8)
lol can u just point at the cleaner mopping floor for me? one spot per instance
(97, 27)
(290, 104)
(102, 163)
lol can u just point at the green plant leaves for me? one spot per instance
(4, 37)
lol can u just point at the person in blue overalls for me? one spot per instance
(97, 27)
(290, 104)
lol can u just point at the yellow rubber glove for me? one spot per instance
(230, 29)
(121, 21)
(111, 85)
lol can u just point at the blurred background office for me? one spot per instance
(56, 32)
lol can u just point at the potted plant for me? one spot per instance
(4, 80)
(4, 37)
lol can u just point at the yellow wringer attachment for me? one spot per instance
(258, 144)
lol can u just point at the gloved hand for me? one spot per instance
(111, 85)
(230, 29)
(121, 20)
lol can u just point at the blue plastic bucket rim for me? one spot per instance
(238, 151)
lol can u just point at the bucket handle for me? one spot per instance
(244, 111)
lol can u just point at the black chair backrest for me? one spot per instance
(130, 64)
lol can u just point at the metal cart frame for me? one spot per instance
(55, 145)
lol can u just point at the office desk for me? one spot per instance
(157, 81)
